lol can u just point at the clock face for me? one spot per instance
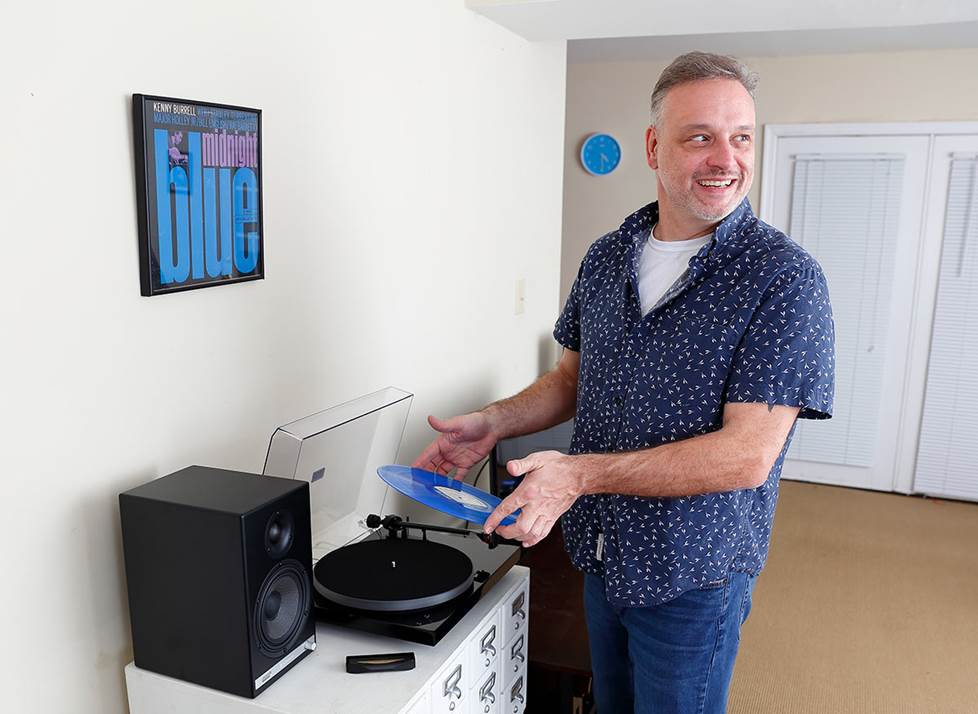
(600, 154)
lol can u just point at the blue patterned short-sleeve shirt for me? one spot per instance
(749, 321)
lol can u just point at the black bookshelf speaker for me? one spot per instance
(219, 572)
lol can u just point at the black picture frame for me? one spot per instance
(209, 155)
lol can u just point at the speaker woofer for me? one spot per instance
(279, 534)
(283, 607)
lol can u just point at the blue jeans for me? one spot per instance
(673, 658)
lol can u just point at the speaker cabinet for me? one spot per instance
(219, 571)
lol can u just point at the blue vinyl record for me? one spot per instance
(444, 494)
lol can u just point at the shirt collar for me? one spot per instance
(730, 225)
(638, 226)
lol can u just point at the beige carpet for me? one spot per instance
(868, 603)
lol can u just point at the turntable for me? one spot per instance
(375, 571)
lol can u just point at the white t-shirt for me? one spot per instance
(661, 263)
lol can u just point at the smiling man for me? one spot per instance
(693, 337)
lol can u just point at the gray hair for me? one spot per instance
(694, 66)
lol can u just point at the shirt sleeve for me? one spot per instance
(567, 330)
(787, 355)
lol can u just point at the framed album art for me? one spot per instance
(198, 189)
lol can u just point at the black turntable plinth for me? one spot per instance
(409, 581)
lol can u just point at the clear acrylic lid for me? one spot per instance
(338, 451)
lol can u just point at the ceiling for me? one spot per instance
(623, 30)
(778, 43)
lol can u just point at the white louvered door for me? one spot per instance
(947, 456)
(856, 204)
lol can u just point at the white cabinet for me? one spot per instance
(468, 672)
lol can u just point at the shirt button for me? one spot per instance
(618, 400)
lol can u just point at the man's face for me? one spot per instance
(703, 149)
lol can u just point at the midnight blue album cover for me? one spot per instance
(198, 176)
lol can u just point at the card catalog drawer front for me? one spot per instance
(486, 694)
(516, 610)
(513, 658)
(485, 646)
(449, 691)
(515, 696)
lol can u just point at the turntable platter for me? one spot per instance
(393, 574)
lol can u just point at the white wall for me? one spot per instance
(412, 172)
(614, 97)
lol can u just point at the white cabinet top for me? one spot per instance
(320, 683)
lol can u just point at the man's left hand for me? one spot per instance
(552, 483)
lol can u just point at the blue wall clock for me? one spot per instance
(600, 154)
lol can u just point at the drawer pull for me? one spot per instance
(450, 686)
(485, 694)
(518, 606)
(487, 640)
(516, 651)
(516, 692)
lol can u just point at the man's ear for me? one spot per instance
(651, 144)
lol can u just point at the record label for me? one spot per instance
(444, 494)
(466, 499)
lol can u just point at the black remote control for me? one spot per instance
(391, 662)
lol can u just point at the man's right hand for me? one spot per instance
(463, 442)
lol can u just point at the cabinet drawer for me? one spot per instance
(513, 658)
(485, 645)
(487, 693)
(449, 693)
(514, 696)
(516, 610)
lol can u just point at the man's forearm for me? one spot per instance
(724, 460)
(550, 400)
